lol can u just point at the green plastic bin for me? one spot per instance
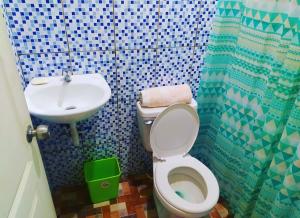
(102, 177)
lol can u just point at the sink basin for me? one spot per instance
(61, 102)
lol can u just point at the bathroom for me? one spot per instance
(240, 60)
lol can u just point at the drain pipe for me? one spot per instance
(74, 134)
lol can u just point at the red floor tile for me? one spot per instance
(135, 201)
(135, 192)
(140, 213)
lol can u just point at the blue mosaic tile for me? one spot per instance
(102, 127)
(97, 152)
(199, 63)
(175, 66)
(102, 62)
(49, 64)
(206, 15)
(37, 26)
(126, 149)
(133, 156)
(90, 24)
(134, 159)
(64, 168)
(178, 23)
(136, 24)
(136, 71)
(127, 120)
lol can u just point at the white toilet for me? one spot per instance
(183, 186)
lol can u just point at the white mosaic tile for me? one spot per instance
(136, 71)
(136, 24)
(102, 62)
(49, 64)
(89, 24)
(206, 15)
(199, 63)
(175, 66)
(36, 26)
(178, 22)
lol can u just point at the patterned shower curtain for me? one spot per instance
(249, 106)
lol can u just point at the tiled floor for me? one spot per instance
(135, 200)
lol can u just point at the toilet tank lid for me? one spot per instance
(147, 112)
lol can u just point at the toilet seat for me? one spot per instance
(163, 187)
(172, 135)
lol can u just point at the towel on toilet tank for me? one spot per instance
(165, 96)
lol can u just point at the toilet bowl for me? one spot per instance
(183, 185)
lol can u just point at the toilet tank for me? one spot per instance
(146, 116)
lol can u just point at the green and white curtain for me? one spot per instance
(249, 107)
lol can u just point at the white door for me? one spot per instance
(24, 190)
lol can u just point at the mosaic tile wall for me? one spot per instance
(135, 44)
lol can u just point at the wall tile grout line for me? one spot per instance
(195, 39)
(107, 50)
(157, 34)
(67, 38)
(116, 73)
(42, 53)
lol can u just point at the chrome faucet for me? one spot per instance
(66, 76)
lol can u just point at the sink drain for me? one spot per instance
(70, 108)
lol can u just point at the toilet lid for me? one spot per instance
(174, 131)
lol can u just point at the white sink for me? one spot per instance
(55, 100)
(61, 102)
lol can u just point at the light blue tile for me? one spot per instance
(206, 15)
(136, 24)
(64, 168)
(102, 127)
(127, 120)
(136, 71)
(198, 66)
(134, 159)
(178, 22)
(90, 24)
(102, 62)
(37, 26)
(49, 64)
(175, 66)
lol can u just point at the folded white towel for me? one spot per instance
(165, 96)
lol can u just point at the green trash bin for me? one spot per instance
(102, 177)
